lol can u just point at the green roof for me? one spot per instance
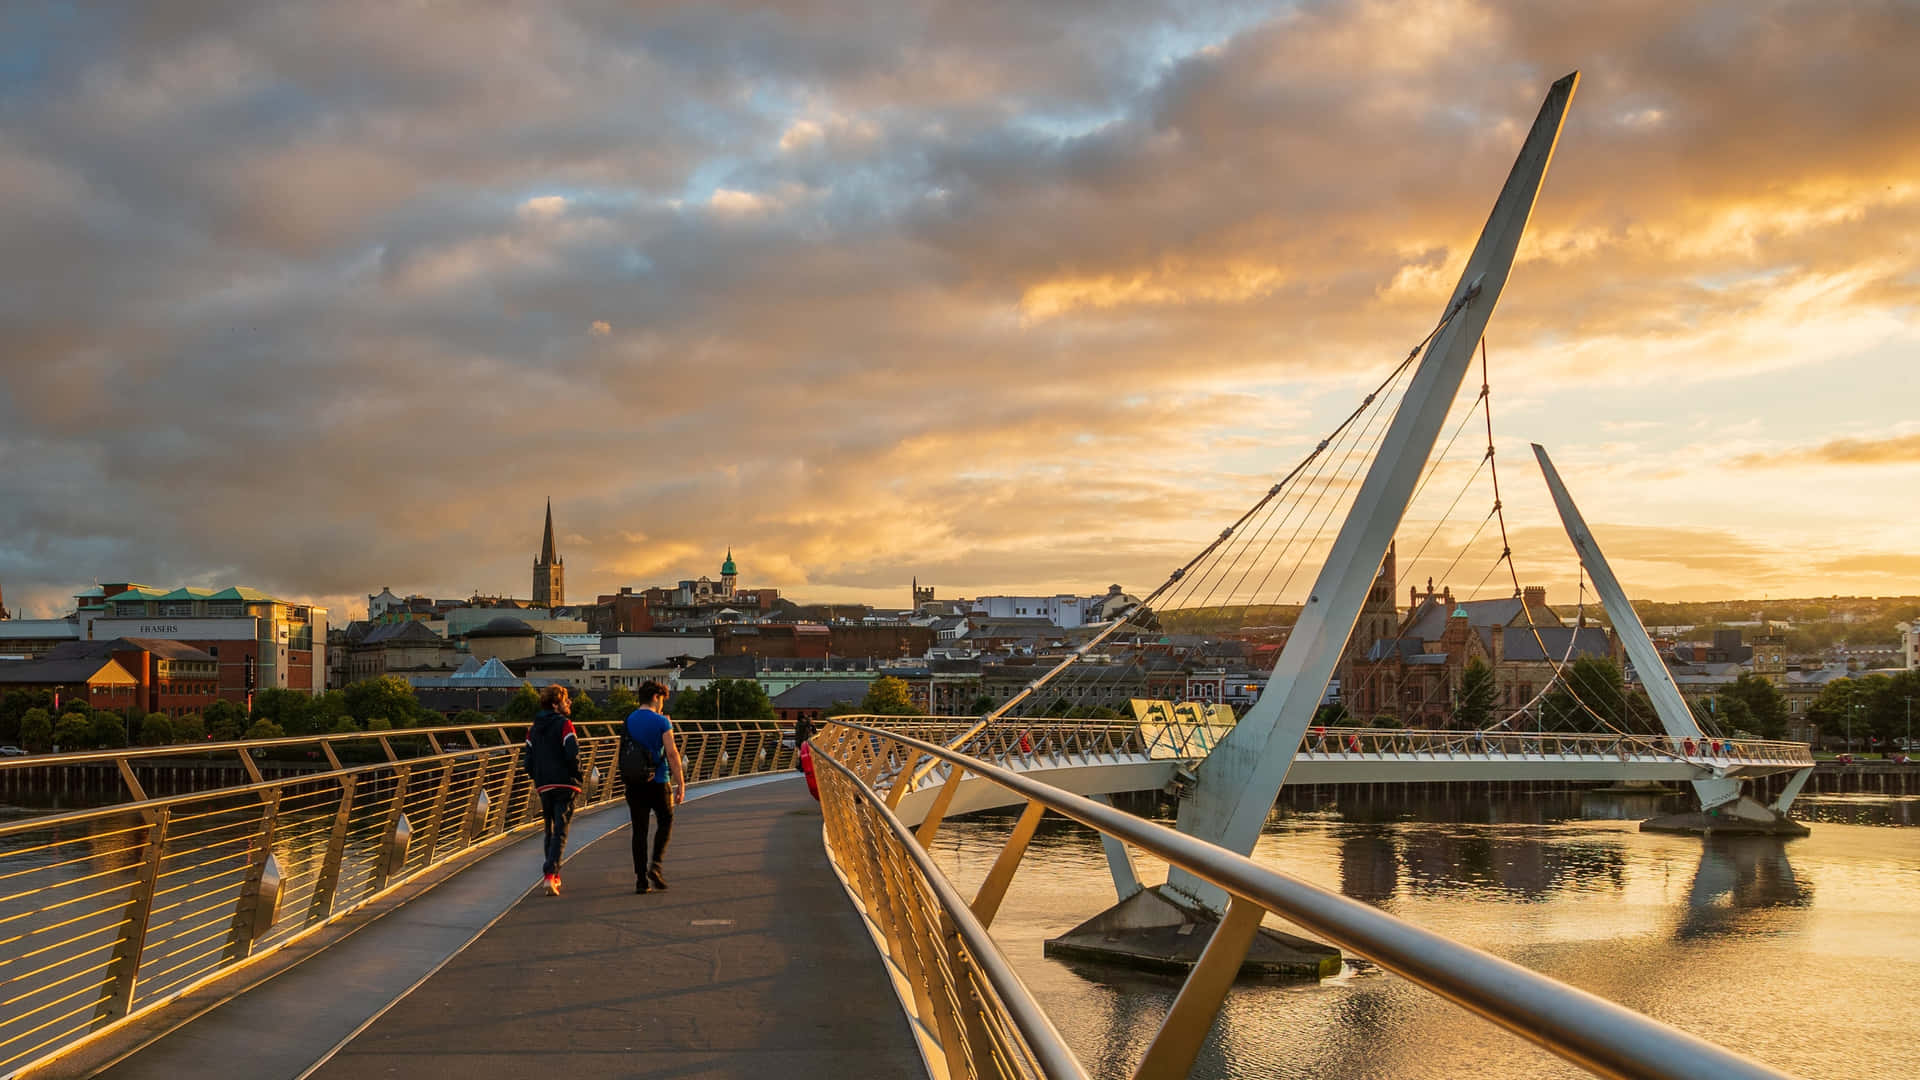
(241, 592)
(728, 567)
(134, 596)
(184, 593)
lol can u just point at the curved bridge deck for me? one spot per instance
(754, 964)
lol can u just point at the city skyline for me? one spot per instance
(1003, 299)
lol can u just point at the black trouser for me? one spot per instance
(644, 799)
(556, 811)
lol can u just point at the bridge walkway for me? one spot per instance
(753, 964)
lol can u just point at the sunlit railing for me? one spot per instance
(1704, 751)
(979, 1020)
(107, 912)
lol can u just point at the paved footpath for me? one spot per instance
(754, 964)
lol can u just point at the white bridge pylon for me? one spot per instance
(1240, 779)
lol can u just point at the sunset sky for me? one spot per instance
(325, 297)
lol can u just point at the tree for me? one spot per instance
(1765, 708)
(1477, 692)
(156, 729)
(14, 706)
(327, 710)
(265, 729)
(1838, 710)
(471, 718)
(388, 696)
(191, 728)
(1333, 715)
(379, 723)
(982, 705)
(109, 729)
(36, 730)
(346, 725)
(1732, 714)
(584, 710)
(225, 720)
(1599, 686)
(521, 707)
(888, 696)
(291, 709)
(620, 702)
(741, 699)
(73, 731)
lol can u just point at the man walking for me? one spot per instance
(648, 795)
(552, 758)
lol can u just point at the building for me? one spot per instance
(650, 649)
(1910, 645)
(1062, 610)
(99, 681)
(624, 612)
(399, 648)
(549, 571)
(259, 641)
(814, 700)
(1411, 667)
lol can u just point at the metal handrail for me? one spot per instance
(1042, 1040)
(1600, 1036)
(106, 913)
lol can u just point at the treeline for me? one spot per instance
(28, 717)
(1593, 698)
(1227, 619)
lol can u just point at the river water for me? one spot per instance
(1803, 953)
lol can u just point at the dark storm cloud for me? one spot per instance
(322, 296)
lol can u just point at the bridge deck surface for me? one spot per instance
(754, 964)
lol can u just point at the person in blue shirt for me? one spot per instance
(653, 796)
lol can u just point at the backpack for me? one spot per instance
(638, 765)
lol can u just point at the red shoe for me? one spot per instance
(552, 882)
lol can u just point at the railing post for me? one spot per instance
(1184, 1031)
(116, 997)
(930, 825)
(243, 930)
(436, 816)
(967, 998)
(329, 879)
(986, 903)
(396, 813)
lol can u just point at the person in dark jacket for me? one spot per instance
(552, 758)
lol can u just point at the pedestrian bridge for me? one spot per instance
(1097, 757)
(373, 914)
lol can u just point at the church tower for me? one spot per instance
(549, 571)
(728, 573)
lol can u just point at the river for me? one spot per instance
(1803, 953)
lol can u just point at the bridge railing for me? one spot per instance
(1705, 751)
(108, 912)
(1038, 741)
(981, 1021)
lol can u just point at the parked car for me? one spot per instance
(12, 751)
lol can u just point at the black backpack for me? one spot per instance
(637, 763)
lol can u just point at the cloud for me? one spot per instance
(1891, 450)
(1015, 294)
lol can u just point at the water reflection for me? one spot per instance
(1738, 876)
(1756, 943)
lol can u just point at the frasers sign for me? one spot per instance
(242, 629)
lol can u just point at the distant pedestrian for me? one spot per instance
(552, 758)
(802, 731)
(655, 776)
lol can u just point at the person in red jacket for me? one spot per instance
(552, 758)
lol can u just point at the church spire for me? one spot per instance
(549, 576)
